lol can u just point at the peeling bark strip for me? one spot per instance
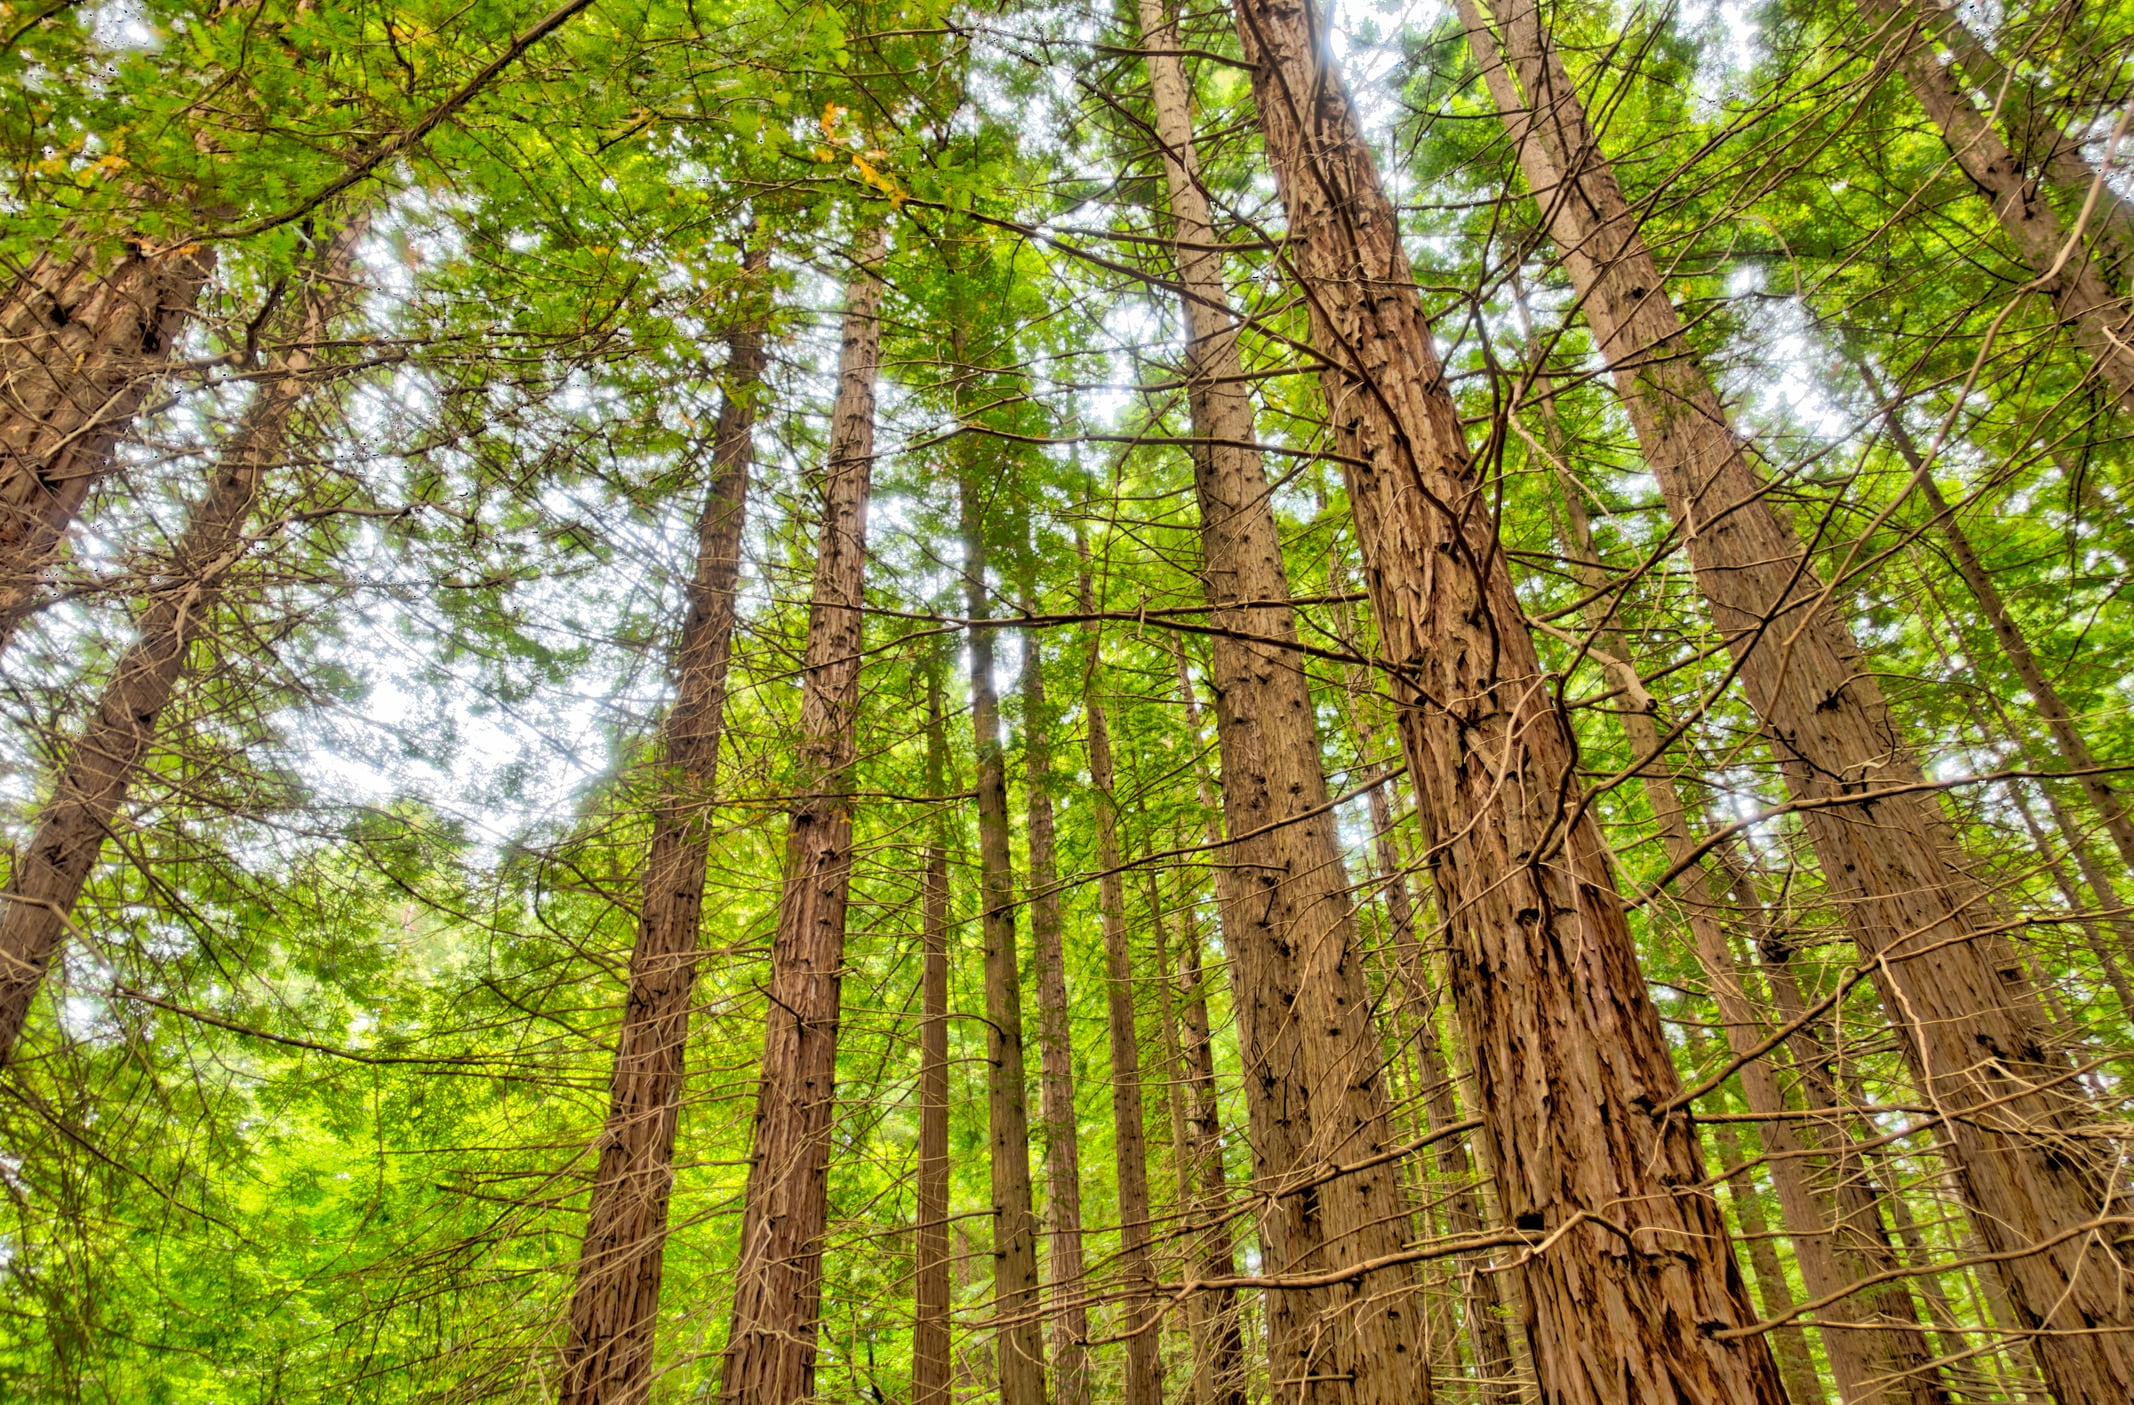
(930, 1361)
(2101, 325)
(1314, 1091)
(1632, 1277)
(37, 904)
(770, 1352)
(607, 1358)
(1021, 1358)
(82, 340)
(1969, 1020)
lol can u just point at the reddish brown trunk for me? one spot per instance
(615, 1304)
(1144, 1364)
(1789, 1343)
(1631, 1284)
(1055, 1046)
(930, 1372)
(37, 904)
(1969, 1024)
(770, 1353)
(1020, 1343)
(82, 341)
(1313, 1088)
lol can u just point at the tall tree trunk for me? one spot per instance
(770, 1352)
(2062, 267)
(83, 338)
(1015, 1293)
(614, 1312)
(930, 1374)
(1887, 1360)
(1144, 1362)
(1969, 1024)
(1055, 1044)
(37, 903)
(2040, 143)
(1568, 1052)
(2052, 708)
(1313, 1087)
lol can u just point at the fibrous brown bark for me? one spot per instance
(1314, 1093)
(83, 338)
(1631, 1282)
(1020, 1345)
(1970, 1025)
(1144, 1363)
(614, 1312)
(37, 904)
(930, 1355)
(1055, 1045)
(2062, 267)
(770, 1353)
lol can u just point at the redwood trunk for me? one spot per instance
(1631, 1284)
(1968, 1022)
(1055, 1046)
(607, 1358)
(82, 341)
(1144, 1362)
(931, 1369)
(37, 904)
(770, 1353)
(1021, 1348)
(1314, 1092)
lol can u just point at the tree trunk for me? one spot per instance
(1568, 1051)
(1968, 1022)
(1055, 1045)
(1144, 1362)
(1313, 1087)
(37, 904)
(82, 341)
(930, 1374)
(770, 1353)
(2062, 267)
(1015, 1294)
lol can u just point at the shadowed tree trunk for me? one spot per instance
(83, 338)
(1314, 1092)
(50, 871)
(1055, 1044)
(770, 1354)
(1970, 1025)
(1020, 1343)
(930, 1373)
(1569, 1058)
(615, 1304)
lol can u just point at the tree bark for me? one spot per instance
(2061, 265)
(1021, 1346)
(1568, 1051)
(1970, 1025)
(1144, 1363)
(770, 1353)
(931, 1371)
(1314, 1092)
(83, 338)
(1055, 1045)
(37, 904)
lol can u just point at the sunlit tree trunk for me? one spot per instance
(1055, 1045)
(49, 872)
(1971, 1026)
(1313, 1089)
(1577, 1086)
(930, 1371)
(770, 1353)
(83, 339)
(1020, 1342)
